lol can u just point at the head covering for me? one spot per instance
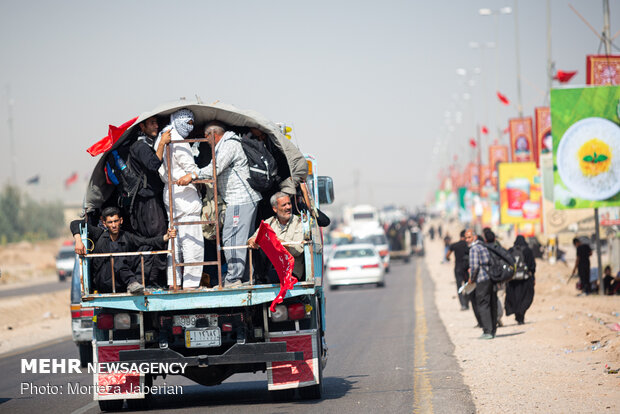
(520, 241)
(179, 121)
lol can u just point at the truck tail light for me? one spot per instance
(296, 311)
(383, 253)
(177, 330)
(371, 266)
(338, 268)
(227, 327)
(105, 321)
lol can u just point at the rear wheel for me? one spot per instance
(86, 354)
(110, 405)
(282, 395)
(142, 404)
(333, 287)
(381, 284)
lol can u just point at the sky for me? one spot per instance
(370, 87)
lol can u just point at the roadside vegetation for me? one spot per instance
(24, 219)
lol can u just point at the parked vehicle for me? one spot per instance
(81, 319)
(355, 264)
(217, 331)
(377, 238)
(65, 260)
(417, 242)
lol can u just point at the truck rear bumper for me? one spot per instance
(237, 354)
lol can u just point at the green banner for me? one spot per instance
(586, 146)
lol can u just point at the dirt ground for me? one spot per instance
(31, 319)
(555, 363)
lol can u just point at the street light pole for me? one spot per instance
(520, 100)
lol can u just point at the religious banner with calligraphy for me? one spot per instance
(497, 154)
(603, 70)
(521, 140)
(543, 132)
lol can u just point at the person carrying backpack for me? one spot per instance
(233, 186)
(520, 290)
(485, 295)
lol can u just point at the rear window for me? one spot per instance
(354, 253)
(376, 239)
(66, 254)
(363, 216)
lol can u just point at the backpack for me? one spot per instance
(521, 272)
(127, 181)
(502, 266)
(262, 165)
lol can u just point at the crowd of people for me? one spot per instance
(473, 262)
(146, 224)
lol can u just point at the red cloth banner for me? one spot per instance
(543, 132)
(603, 70)
(521, 139)
(71, 180)
(502, 98)
(497, 154)
(281, 259)
(563, 77)
(114, 133)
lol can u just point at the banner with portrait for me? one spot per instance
(521, 140)
(497, 154)
(603, 70)
(543, 133)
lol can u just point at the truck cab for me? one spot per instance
(215, 332)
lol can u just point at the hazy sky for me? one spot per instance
(370, 87)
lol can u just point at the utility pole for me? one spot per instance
(607, 38)
(11, 140)
(520, 100)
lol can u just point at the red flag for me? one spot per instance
(472, 142)
(564, 77)
(503, 98)
(485, 130)
(282, 260)
(71, 180)
(114, 133)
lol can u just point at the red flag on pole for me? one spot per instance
(503, 98)
(114, 133)
(281, 259)
(71, 180)
(484, 130)
(564, 77)
(472, 142)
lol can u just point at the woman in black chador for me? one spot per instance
(520, 290)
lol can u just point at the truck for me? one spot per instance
(216, 332)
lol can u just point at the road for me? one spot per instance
(36, 288)
(388, 353)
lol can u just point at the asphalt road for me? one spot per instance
(388, 353)
(36, 289)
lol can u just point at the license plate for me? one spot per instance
(189, 321)
(203, 337)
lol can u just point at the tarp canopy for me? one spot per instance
(99, 190)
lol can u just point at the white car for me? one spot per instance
(355, 264)
(65, 260)
(380, 241)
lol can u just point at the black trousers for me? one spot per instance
(461, 276)
(486, 299)
(584, 278)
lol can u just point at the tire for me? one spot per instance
(407, 259)
(110, 405)
(333, 287)
(86, 354)
(61, 278)
(282, 395)
(387, 269)
(380, 284)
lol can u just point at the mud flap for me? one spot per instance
(116, 385)
(295, 374)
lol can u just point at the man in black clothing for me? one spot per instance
(115, 240)
(148, 216)
(461, 264)
(582, 265)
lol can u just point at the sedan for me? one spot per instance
(355, 264)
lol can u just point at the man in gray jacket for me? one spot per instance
(232, 185)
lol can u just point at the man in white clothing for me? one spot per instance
(187, 204)
(232, 185)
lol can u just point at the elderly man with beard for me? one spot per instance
(288, 228)
(148, 217)
(232, 185)
(187, 203)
